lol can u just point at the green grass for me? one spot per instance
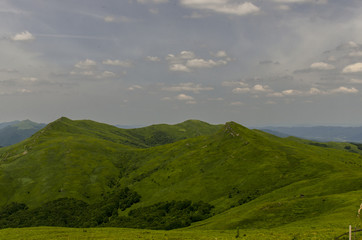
(46, 233)
(254, 179)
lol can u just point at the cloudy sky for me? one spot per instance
(139, 62)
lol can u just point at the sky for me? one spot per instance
(142, 62)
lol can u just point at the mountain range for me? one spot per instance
(16, 131)
(219, 176)
(319, 133)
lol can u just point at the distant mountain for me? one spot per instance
(5, 124)
(17, 131)
(176, 175)
(128, 126)
(319, 133)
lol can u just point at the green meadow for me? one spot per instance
(203, 181)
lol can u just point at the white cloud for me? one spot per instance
(221, 54)
(241, 90)
(261, 88)
(257, 88)
(24, 90)
(283, 7)
(238, 103)
(84, 73)
(179, 68)
(107, 74)
(152, 1)
(344, 90)
(234, 84)
(275, 94)
(134, 87)
(191, 87)
(109, 19)
(355, 54)
(353, 68)
(292, 92)
(322, 66)
(315, 91)
(184, 97)
(186, 60)
(357, 81)
(202, 63)
(153, 59)
(29, 79)
(302, 1)
(86, 64)
(23, 36)
(216, 99)
(222, 6)
(187, 55)
(120, 63)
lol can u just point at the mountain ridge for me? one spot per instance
(243, 173)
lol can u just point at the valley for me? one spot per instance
(241, 178)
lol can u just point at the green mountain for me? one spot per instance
(14, 132)
(190, 171)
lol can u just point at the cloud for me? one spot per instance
(257, 88)
(126, 64)
(344, 90)
(275, 94)
(185, 61)
(357, 81)
(134, 87)
(184, 97)
(152, 1)
(191, 87)
(109, 19)
(269, 62)
(355, 54)
(348, 46)
(84, 73)
(292, 92)
(86, 64)
(107, 74)
(153, 59)
(179, 68)
(238, 103)
(202, 63)
(261, 88)
(315, 91)
(222, 6)
(321, 66)
(241, 90)
(29, 79)
(234, 84)
(220, 54)
(302, 1)
(283, 7)
(353, 68)
(23, 36)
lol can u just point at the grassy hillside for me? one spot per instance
(17, 131)
(253, 179)
(46, 233)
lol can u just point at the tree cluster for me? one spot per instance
(70, 212)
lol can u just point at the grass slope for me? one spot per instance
(254, 179)
(40, 233)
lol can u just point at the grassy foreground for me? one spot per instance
(123, 233)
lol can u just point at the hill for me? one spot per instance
(244, 178)
(319, 133)
(17, 131)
